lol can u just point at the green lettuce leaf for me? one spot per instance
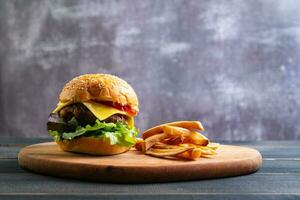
(117, 133)
(55, 135)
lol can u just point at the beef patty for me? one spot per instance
(84, 116)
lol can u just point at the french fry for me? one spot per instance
(176, 131)
(177, 140)
(192, 125)
(192, 154)
(188, 135)
(213, 145)
(139, 144)
(173, 140)
(207, 151)
(150, 141)
(165, 152)
(196, 138)
(188, 145)
(160, 145)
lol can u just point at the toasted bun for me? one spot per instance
(89, 145)
(99, 87)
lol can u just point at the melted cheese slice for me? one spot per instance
(101, 111)
(60, 105)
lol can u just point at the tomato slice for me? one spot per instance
(124, 108)
(129, 111)
(118, 106)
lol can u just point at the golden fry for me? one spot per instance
(173, 140)
(139, 144)
(176, 139)
(192, 154)
(188, 145)
(165, 152)
(150, 141)
(213, 145)
(207, 151)
(160, 145)
(192, 125)
(188, 135)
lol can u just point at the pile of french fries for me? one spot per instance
(176, 140)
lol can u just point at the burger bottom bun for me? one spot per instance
(90, 145)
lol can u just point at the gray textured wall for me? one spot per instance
(232, 64)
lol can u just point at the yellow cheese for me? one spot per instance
(59, 106)
(101, 111)
(130, 121)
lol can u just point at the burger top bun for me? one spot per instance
(99, 87)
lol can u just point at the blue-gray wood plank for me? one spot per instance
(279, 178)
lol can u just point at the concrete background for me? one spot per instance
(232, 64)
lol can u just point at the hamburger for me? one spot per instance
(95, 115)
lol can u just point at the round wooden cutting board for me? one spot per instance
(133, 166)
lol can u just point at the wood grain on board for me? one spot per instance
(133, 166)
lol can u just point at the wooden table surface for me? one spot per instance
(279, 178)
